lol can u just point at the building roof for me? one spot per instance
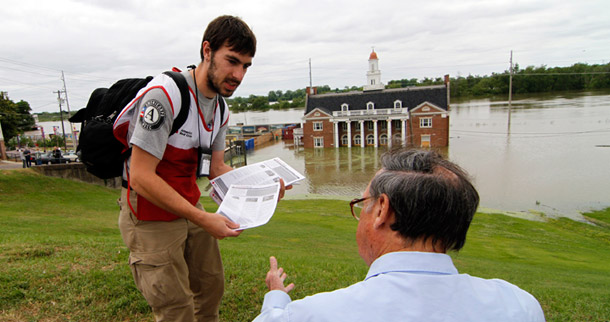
(410, 97)
(373, 55)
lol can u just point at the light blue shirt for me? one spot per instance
(409, 286)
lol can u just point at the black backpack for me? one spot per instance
(99, 150)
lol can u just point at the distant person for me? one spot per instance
(415, 209)
(28, 157)
(22, 157)
(56, 152)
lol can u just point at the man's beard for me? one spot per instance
(215, 84)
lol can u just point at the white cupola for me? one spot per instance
(373, 75)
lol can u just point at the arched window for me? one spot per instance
(357, 139)
(370, 139)
(370, 106)
(383, 139)
(397, 104)
(344, 140)
(344, 107)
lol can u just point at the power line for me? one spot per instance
(542, 74)
(545, 74)
(91, 77)
(533, 134)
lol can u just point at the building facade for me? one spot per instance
(413, 116)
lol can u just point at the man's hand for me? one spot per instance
(275, 277)
(283, 189)
(218, 225)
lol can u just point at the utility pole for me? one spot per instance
(63, 79)
(310, 80)
(510, 90)
(61, 116)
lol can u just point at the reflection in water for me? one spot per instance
(555, 160)
(342, 172)
(551, 162)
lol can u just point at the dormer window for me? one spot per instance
(370, 106)
(344, 107)
(397, 104)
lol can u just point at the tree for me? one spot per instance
(15, 117)
(272, 96)
(259, 103)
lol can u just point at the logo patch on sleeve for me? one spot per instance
(152, 115)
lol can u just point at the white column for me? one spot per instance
(375, 133)
(349, 134)
(336, 136)
(404, 132)
(362, 158)
(389, 132)
(349, 160)
(337, 162)
(362, 138)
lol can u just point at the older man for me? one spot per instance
(416, 209)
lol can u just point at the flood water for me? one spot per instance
(554, 159)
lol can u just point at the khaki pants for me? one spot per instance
(176, 265)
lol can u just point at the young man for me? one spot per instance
(174, 253)
(416, 209)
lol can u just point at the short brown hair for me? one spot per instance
(230, 30)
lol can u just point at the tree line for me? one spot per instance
(15, 117)
(529, 80)
(525, 81)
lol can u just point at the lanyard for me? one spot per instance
(199, 119)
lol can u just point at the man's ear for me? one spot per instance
(207, 50)
(384, 213)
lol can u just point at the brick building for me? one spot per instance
(415, 116)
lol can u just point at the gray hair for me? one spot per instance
(431, 197)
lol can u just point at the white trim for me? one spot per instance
(439, 110)
(318, 142)
(425, 126)
(317, 109)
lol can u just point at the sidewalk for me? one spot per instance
(10, 165)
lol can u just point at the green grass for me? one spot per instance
(62, 257)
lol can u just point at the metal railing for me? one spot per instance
(384, 111)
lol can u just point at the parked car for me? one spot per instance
(48, 158)
(71, 156)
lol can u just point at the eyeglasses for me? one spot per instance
(356, 205)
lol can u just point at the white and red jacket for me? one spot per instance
(179, 163)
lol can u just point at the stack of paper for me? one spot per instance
(249, 195)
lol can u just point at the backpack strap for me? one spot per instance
(186, 100)
(221, 102)
(184, 108)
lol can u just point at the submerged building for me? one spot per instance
(413, 116)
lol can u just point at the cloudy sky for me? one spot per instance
(95, 42)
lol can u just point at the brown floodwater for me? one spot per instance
(554, 158)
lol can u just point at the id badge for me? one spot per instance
(205, 158)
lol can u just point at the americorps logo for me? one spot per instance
(152, 115)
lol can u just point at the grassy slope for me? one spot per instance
(62, 258)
